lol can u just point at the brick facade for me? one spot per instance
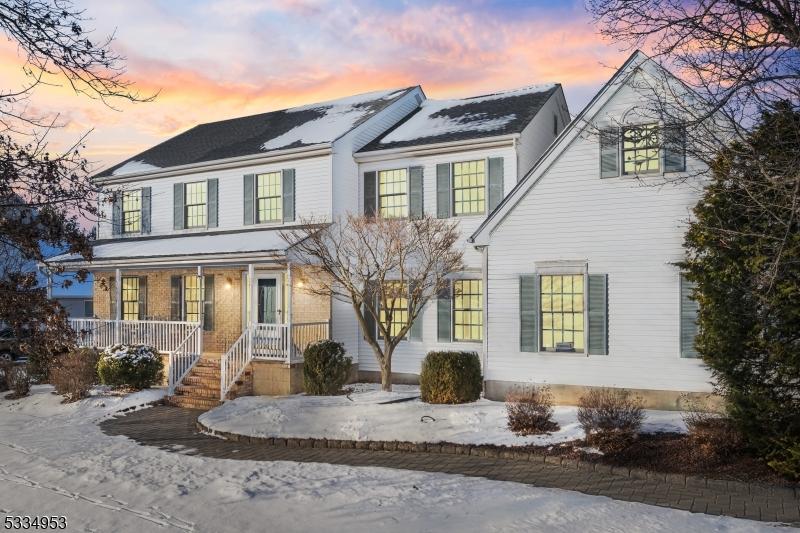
(307, 307)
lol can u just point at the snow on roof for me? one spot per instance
(479, 116)
(222, 243)
(336, 118)
(296, 127)
(134, 166)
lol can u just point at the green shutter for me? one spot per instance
(212, 186)
(287, 177)
(675, 148)
(415, 333)
(370, 194)
(175, 307)
(597, 338)
(249, 199)
(208, 302)
(369, 295)
(495, 182)
(529, 313)
(147, 196)
(443, 190)
(609, 153)
(142, 298)
(112, 297)
(178, 215)
(116, 213)
(688, 318)
(415, 192)
(444, 314)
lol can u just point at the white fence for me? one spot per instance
(184, 357)
(165, 336)
(268, 342)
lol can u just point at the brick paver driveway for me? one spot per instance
(166, 427)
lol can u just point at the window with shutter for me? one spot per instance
(269, 197)
(469, 188)
(195, 204)
(132, 211)
(641, 149)
(130, 298)
(561, 313)
(468, 310)
(393, 193)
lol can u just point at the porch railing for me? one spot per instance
(270, 342)
(184, 357)
(164, 335)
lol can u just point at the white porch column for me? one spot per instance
(118, 310)
(250, 302)
(289, 284)
(202, 282)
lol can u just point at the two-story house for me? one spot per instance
(189, 257)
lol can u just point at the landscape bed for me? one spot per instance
(367, 414)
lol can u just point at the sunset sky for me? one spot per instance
(211, 60)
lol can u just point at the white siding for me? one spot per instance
(408, 355)
(538, 135)
(312, 195)
(631, 232)
(345, 169)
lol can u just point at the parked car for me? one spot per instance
(9, 346)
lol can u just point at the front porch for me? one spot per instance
(233, 316)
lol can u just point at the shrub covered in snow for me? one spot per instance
(326, 367)
(450, 377)
(610, 417)
(74, 373)
(137, 366)
(530, 410)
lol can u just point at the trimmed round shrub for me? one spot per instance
(74, 373)
(450, 377)
(326, 368)
(135, 366)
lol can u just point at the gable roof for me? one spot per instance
(489, 115)
(307, 125)
(636, 60)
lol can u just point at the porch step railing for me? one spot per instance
(183, 358)
(270, 342)
(164, 335)
(233, 363)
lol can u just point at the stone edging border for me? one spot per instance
(502, 452)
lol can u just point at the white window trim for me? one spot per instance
(408, 190)
(567, 267)
(485, 188)
(277, 221)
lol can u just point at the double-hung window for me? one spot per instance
(395, 314)
(393, 193)
(195, 204)
(468, 310)
(193, 298)
(469, 187)
(269, 199)
(641, 149)
(561, 311)
(130, 298)
(132, 211)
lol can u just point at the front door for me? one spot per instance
(267, 298)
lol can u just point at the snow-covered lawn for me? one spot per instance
(362, 416)
(54, 460)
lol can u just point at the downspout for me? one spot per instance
(485, 275)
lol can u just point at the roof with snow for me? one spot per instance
(437, 121)
(307, 125)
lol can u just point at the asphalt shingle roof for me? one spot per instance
(300, 126)
(489, 115)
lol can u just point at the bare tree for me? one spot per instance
(46, 196)
(386, 268)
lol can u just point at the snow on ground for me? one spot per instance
(362, 416)
(54, 460)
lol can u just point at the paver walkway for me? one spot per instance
(165, 427)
